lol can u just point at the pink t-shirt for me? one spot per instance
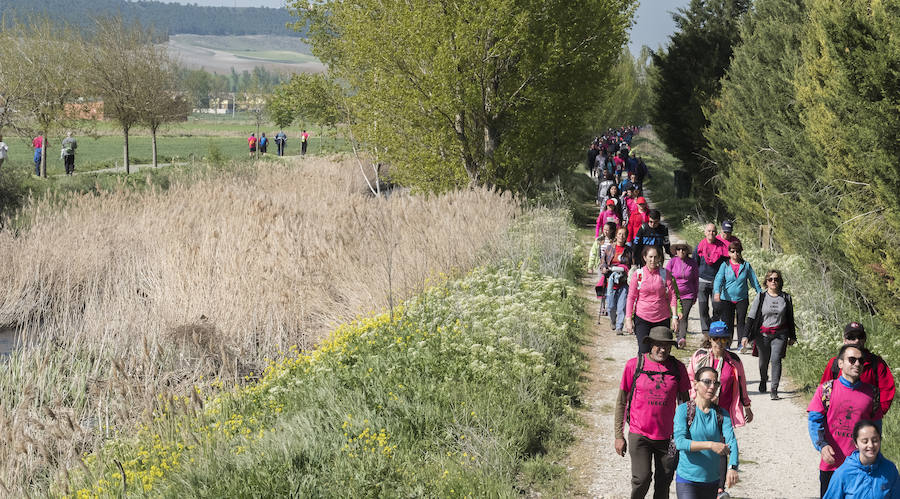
(605, 216)
(652, 410)
(655, 300)
(736, 267)
(847, 406)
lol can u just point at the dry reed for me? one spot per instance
(128, 297)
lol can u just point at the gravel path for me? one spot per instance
(777, 458)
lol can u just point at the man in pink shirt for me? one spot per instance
(653, 384)
(835, 408)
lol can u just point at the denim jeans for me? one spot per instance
(615, 305)
(704, 295)
(696, 490)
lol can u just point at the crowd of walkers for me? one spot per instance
(676, 421)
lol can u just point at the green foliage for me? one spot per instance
(470, 92)
(451, 398)
(629, 101)
(314, 98)
(686, 79)
(808, 141)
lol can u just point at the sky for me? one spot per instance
(653, 23)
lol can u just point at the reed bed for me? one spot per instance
(130, 298)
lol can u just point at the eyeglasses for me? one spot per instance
(709, 382)
(854, 360)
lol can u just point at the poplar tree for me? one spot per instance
(480, 92)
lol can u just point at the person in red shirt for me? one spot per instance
(252, 142)
(875, 370)
(726, 236)
(636, 219)
(37, 144)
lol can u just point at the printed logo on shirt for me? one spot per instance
(845, 420)
(658, 391)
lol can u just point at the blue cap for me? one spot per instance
(718, 329)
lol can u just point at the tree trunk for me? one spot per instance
(127, 165)
(468, 162)
(153, 144)
(43, 155)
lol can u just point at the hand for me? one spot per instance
(629, 325)
(827, 454)
(621, 446)
(748, 414)
(719, 448)
(674, 324)
(731, 478)
(716, 297)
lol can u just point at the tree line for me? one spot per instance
(199, 85)
(49, 73)
(167, 18)
(790, 109)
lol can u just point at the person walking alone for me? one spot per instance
(69, 144)
(304, 141)
(771, 329)
(4, 151)
(653, 383)
(38, 145)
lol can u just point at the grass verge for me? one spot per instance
(458, 394)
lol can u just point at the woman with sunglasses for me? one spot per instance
(771, 328)
(730, 291)
(732, 395)
(703, 436)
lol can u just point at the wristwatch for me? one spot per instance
(734, 467)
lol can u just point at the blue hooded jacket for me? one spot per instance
(854, 480)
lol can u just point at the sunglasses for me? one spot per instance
(772, 279)
(721, 340)
(733, 251)
(709, 382)
(854, 360)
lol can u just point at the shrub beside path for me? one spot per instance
(777, 458)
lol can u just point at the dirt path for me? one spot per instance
(777, 458)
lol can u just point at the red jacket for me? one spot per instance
(635, 220)
(876, 373)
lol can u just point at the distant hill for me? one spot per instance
(166, 18)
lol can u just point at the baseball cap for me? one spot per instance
(719, 329)
(727, 226)
(854, 330)
(640, 200)
(610, 202)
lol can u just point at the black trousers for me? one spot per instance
(69, 162)
(735, 315)
(644, 454)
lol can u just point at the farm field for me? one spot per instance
(219, 54)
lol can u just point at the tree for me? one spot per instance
(160, 101)
(629, 102)
(119, 58)
(848, 92)
(460, 92)
(41, 72)
(687, 76)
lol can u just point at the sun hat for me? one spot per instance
(728, 226)
(660, 334)
(680, 244)
(719, 329)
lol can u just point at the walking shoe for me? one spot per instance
(762, 387)
(775, 395)
(619, 332)
(723, 495)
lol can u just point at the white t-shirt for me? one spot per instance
(3, 149)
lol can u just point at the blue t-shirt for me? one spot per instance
(702, 466)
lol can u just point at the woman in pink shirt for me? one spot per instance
(652, 298)
(684, 270)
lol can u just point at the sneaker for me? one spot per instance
(619, 332)
(775, 395)
(723, 495)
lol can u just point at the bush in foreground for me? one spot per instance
(449, 398)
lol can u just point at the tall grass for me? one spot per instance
(131, 297)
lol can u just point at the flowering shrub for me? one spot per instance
(448, 398)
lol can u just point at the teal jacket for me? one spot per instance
(734, 288)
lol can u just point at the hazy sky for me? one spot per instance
(653, 24)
